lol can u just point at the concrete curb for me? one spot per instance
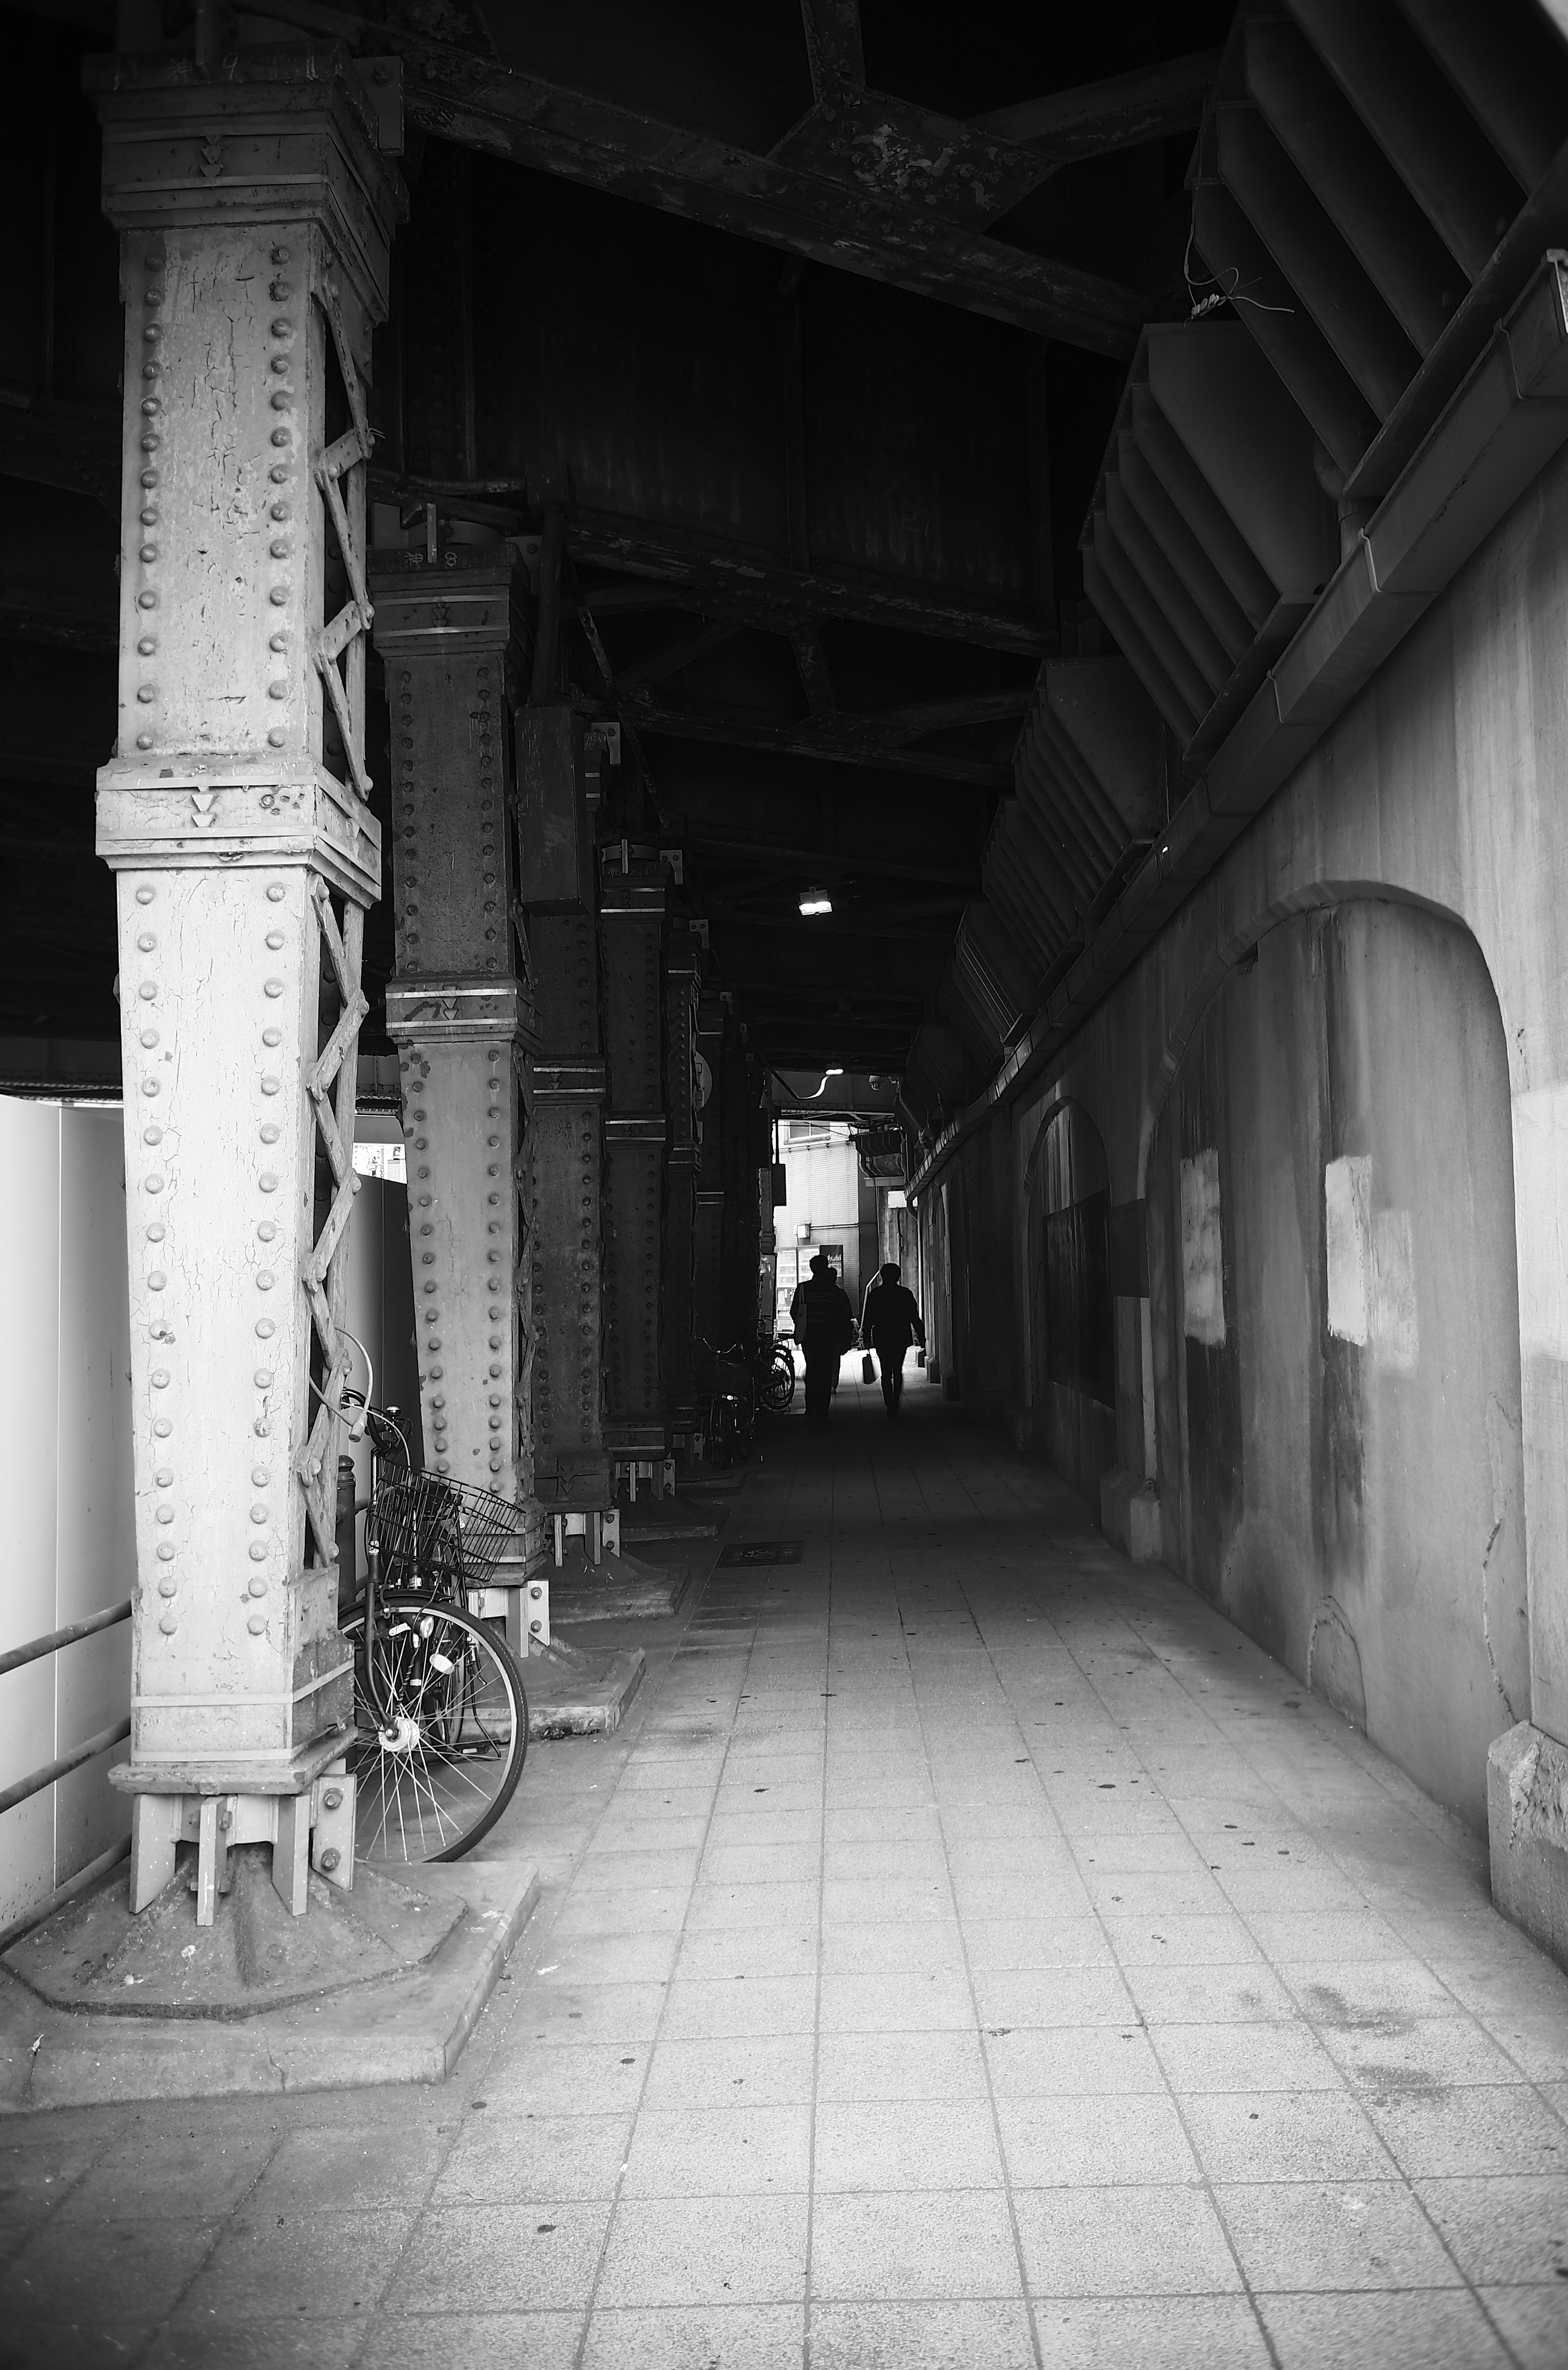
(407, 2028)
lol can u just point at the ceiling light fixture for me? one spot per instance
(815, 900)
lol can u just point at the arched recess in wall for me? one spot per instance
(1072, 1330)
(1333, 1304)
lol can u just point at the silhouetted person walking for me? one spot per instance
(890, 1322)
(825, 1326)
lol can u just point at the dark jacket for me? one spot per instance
(892, 1317)
(823, 1319)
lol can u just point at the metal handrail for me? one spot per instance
(38, 1647)
(36, 1780)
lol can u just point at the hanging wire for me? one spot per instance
(1219, 293)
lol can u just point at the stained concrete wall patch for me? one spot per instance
(1203, 1261)
(1540, 1189)
(1348, 1195)
(1370, 1259)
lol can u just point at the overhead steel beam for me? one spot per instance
(819, 210)
(824, 738)
(1125, 112)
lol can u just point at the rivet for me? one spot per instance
(157, 1279)
(147, 991)
(161, 1378)
(270, 1133)
(169, 1585)
(260, 1477)
(146, 692)
(147, 599)
(258, 1585)
(278, 473)
(274, 940)
(264, 1378)
(275, 738)
(155, 1234)
(143, 739)
(257, 1623)
(151, 1135)
(146, 646)
(265, 1279)
(144, 894)
(165, 1552)
(273, 987)
(147, 554)
(152, 1184)
(279, 596)
(272, 1036)
(279, 255)
(265, 1328)
(163, 1427)
(267, 1181)
(280, 436)
(149, 478)
(277, 641)
(274, 691)
(276, 892)
(150, 1086)
(266, 1231)
(270, 1085)
(169, 1624)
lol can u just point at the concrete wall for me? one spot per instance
(821, 1174)
(1431, 1046)
(64, 1418)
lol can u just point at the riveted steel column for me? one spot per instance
(255, 215)
(710, 1315)
(682, 972)
(570, 1465)
(631, 928)
(460, 1008)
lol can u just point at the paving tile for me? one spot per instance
(994, 1945)
(143, 2265)
(1244, 2057)
(893, 2065)
(714, 1907)
(749, 1950)
(727, 2008)
(585, 2080)
(891, 1950)
(772, 2069)
(500, 2158)
(313, 2344)
(1469, 2131)
(187, 2175)
(1053, 1996)
(928, 1999)
(931, 2336)
(705, 2251)
(501, 2258)
(1155, 1940)
(1530, 2321)
(1099, 2140)
(1351, 1995)
(1170, 2332)
(1244, 2135)
(761, 1863)
(1348, 1939)
(323, 2263)
(728, 2150)
(1123, 2241)
(1102, 2060)
(1420, 2055)
(560, 1964)
(1419, 2329)
(905, 2144)
(875, 1900)
(579, 2013)
(630, 1909)
(1250, 1994)
(1330, 2236)
(1506, 2231)
(912, 2244)
(610, 1870)
(717, 2337)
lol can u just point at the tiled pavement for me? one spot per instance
(972, 1953)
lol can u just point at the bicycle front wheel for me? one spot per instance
(440, 1740)
(777, 1381)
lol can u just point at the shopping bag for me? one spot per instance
(868, 1372)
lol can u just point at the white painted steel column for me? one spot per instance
(256, 215)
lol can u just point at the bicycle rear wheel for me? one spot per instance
(436, 1772)
(777, 1379)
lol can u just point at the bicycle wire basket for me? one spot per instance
(433, 1529)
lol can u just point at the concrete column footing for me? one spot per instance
(1129, 1514)
(1527, 1804)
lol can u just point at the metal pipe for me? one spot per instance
(68, 1636)
(35, 1784)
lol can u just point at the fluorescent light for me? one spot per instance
(832, 1074)
(815, 900)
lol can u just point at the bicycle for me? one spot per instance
(774, 1373)
(729, 1408)
(441, 1714)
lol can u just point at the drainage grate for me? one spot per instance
(762, 1551)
